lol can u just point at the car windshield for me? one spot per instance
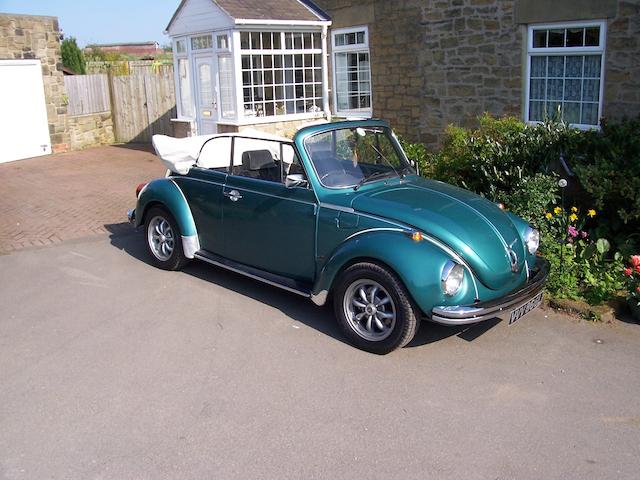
(350, 157)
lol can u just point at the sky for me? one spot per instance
(106, 21)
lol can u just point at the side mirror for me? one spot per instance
(414, 163)
(295, 180)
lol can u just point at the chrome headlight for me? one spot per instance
(532, 239)
(452, 276)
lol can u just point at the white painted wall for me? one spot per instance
(24, 129)
(198, 16)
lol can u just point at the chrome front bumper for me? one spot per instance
(465, 314)
(131, 215)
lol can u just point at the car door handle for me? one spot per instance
(234, 195)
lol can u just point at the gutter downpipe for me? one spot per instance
(325, 75)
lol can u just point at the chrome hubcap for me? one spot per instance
(160, 238)
(370, 310)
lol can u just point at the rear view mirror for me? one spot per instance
(295, 180)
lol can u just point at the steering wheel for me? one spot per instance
(332, 172)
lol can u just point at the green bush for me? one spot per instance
(72, 56)
(608, 166)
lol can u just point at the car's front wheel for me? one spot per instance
(374, 309)
(164, 242)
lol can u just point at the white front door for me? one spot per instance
(206, 95)
(24, 129)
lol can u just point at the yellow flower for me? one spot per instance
(573, 217)
(574, 209)
(557, 210)
(548, 215)
(591, 213)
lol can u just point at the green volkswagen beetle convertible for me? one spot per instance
(339, 215)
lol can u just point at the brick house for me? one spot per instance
(436, 62)
(421, 64)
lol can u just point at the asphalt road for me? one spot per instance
(111, 369)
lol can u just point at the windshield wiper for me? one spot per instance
(373, 176)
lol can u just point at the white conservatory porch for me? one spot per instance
(232, 72)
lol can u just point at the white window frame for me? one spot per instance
(566, 51)
(215, 41)
(357, 48)
(186, 55)
(239, 52)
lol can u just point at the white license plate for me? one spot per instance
(522, 310)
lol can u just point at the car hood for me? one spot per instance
(474, 227)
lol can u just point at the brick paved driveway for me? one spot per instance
(73, 195)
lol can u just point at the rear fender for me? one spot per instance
(166, 193)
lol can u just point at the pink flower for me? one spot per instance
(638, 268)
(635, 260)
(628, 272)
(572, 231)
(584, 234)
(638, 289)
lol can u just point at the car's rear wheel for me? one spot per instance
(374, 309)
(164, 242)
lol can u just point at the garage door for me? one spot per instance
(24, 130)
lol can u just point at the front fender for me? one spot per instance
(419, 265)
(165, 192)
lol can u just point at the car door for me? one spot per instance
(267, 225)
(203, 190)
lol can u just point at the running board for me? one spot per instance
(255, 273)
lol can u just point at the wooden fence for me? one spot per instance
(87, 94)
(130, 67)
(141, 105)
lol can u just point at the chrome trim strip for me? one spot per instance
(339, 208)
(247, 190)
(379, 229)
(190, 245)
(199, 180)
(250, 275)
(269, 194)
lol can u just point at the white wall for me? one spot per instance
(199, 16)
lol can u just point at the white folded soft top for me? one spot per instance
(180, 154)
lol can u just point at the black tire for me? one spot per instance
(173, 260)
(401, 317)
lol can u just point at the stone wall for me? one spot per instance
(622, 59)
(35, 37)
(439, 62)
(90, 130)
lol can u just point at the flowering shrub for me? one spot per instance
(581, 267)
(632, 279)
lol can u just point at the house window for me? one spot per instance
(184, 84)
(201, 42)
(181, 47)
(225, 73)
(352, 71)
(281, 73)
(565, 73)
(222, 42)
